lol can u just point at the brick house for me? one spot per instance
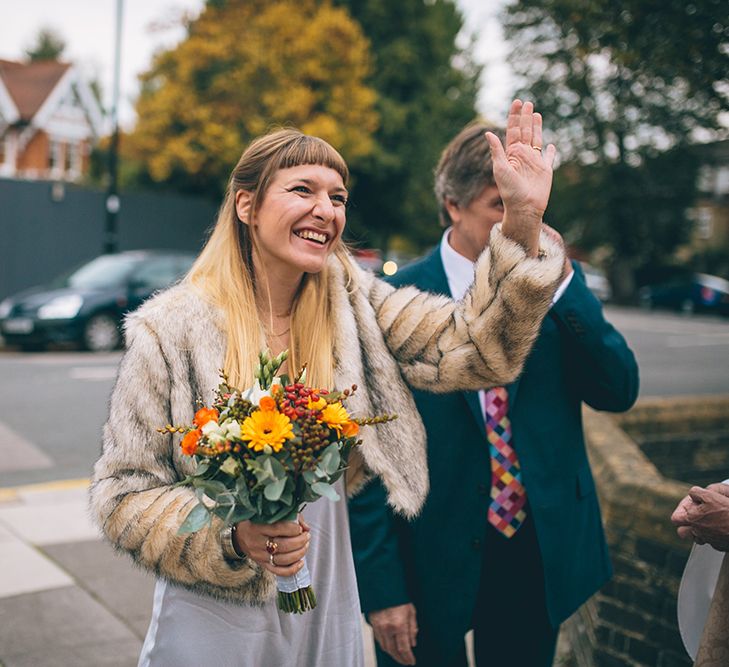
(49, 120)
(711, 212)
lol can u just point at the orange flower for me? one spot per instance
(205, 415)
(189, 442)
(267, 403)
(350, 429)
(266, 428)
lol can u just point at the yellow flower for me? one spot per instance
(266, 427)
(335, 416)
(319, 404)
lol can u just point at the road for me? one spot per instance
(53, 404)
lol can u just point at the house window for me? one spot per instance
(69, 157)
(54, 155)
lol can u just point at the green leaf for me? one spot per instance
(309, 476)
(202, 467)
(242, 513)
(230, 466)
(277, 468)
(325, 490)
(330, 459)
(274, 490)
(198, 517)
(212, 488)
(284, 513)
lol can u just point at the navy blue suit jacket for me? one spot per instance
(435, 560)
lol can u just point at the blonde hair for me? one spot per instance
(224, 273)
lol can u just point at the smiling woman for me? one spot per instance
(275, 274)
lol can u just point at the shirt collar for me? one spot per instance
(458, 269)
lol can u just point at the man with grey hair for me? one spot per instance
(510, 541)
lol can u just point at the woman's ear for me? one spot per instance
(243, 200)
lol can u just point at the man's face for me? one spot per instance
(472, 224)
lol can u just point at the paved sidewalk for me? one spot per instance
(66, 598)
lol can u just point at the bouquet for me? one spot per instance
(264, 453)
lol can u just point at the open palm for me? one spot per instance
(523, 173)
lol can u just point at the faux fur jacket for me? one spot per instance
(386, 338)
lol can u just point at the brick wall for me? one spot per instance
(632, 621)
(35, 155)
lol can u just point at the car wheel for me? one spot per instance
(101, 333)
(687, 307)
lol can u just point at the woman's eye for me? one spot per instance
(339, 199)
(301, 188)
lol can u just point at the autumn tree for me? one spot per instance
(426, 83)
(626, 90)
(244, 68)
(48, 45)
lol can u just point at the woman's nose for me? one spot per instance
(323, 208)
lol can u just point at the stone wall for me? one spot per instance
(632, 621)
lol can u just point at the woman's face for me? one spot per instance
(299, 221)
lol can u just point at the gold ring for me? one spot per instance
(270, 560)
(271, 546)
(537, 148)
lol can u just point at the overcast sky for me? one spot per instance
(88, 28)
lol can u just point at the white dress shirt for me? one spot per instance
(459, 271)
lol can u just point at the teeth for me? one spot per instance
(312, 236)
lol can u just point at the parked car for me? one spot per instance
(86, 305)
(694, 293)
(597, 282)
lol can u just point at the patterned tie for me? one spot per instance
(506, 511)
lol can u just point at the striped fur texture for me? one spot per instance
(386, 339)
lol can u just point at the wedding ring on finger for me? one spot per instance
(537, 148)
(270, 559)
(271, 547)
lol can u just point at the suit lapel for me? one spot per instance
(434, 279)
(513, 390)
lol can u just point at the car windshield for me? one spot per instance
(104, 271)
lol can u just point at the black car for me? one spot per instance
(689, 294)
(86, 305)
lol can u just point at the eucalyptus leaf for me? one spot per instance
(325, 490)
(230, 466)
(277, 468)
(320, 473)
(195, 520)
(285, 512)
(309, 476)
(274, 490)
(202, 467)
(331, 459)
(242, 514)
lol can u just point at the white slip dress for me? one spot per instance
(190, 630)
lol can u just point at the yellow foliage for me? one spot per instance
(245, 67)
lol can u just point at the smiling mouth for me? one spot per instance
(309, 235)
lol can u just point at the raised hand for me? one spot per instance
(523, 174)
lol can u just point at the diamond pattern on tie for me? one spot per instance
(508, 497)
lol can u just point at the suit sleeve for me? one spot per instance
(481, 341)
(376, 549)
(602, 368)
